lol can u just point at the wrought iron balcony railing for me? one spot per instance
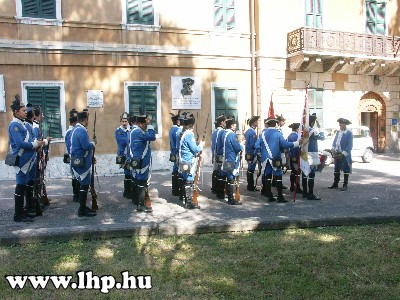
(323, 42)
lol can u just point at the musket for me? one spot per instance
(197, 175)
(46, 201)
(36, 189)
(92, 190)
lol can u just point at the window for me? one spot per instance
(48, 98)
(314, 13)
(140, 15)
(39, 12)
(50, 95)
(316, 104)
(224, 14)
(226, 102)
(375, 17)
(147, 96)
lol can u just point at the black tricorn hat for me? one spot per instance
(312, 117)
(279, 118)
(252, 120)
(230, 121)
(29, 110)
(219, 119)
(73, 115)
(17, 103)
(175, 118)
(83, 115)
(189, 119)
(124, 115)
(141, 118)
(344, 121)
(294, 126)
(271, 121)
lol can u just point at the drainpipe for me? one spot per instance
(253, 59)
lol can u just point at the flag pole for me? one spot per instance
(300, 134)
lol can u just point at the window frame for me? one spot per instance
(321, 4)
(315, 108)
(240, 102)
(38, 21)
(226, 29)
(60, 84)
(140, 27)
(366, 21)
(157, 84)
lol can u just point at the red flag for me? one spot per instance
(271, 113)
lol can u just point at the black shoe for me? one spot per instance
(24, 219)
(271, 198)
(281, 200)
(333, 186)
(85, 213)
(234, 202)
(344, 188)
(30, 214)
(313, 197)
(305, 194)
(191, 205)
(88, 209)
(141, 208)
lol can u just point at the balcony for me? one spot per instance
(343, 52)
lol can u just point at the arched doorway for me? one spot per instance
(372, 113)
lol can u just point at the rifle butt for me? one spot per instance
(94, 200)
(147, 201)
(195, 197)
(237, 191)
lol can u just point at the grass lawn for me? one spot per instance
(354, 262)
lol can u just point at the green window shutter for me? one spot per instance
(39, 8)
(313, 13)
(144, 97)
(375, 17)
(48, 98)
(224, 14)
(140, 12)
(226, 101)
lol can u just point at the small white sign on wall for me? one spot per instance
(94, 98)
(2, 95)
(186, 92)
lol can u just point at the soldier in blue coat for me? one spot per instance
(188, 151)
(140, 149)
(293, 159)
(232, 154)
(73, 119)
(23, 144)
(341, 147)
(219, 128)
(313, 159)
(270, 143)
(121, 137)
(251, 151)
(81, 161)
(173, 154)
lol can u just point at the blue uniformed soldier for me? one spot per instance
(22, 144)
(219, 128)
(181, 183)
(341, 147)
(121, 136)
(313, 159)
(293, 159)
(281, 122)
(81, 161)
(73, 119)
(174, 151)
(29, 199)
(270, 143)
(251, 151)
(188, 150)
(140, 156)
(219, 149)
(232, 153)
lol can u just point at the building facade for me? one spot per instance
(119, 55)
